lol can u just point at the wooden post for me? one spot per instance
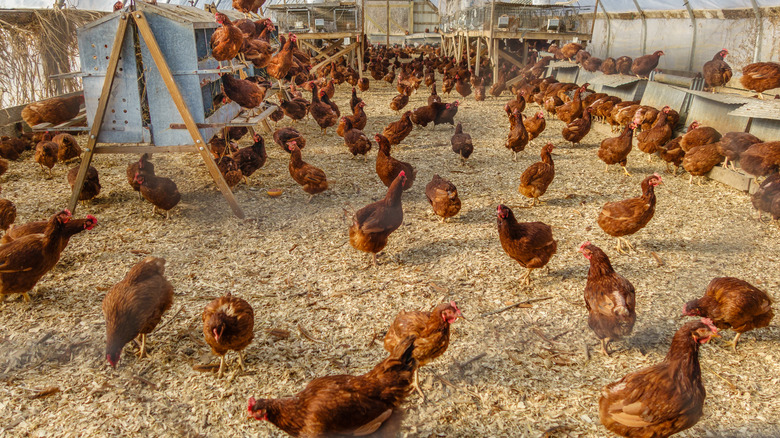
(387, 24)
(476, 59)
(468, 51)
(113, 61)
(181, 105)
(495, 58)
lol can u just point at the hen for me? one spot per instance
(372, 224)
(431, 331)
(284, 135)
(698, 135)
(664, 399)
(765, 199)
(608, 66)
(615, 150)
(461, 143)
(396, 132)
(732, 144)
(135, 306)
(322, 113)
(443, 197)
(67, 147)
(701, 159)
(761, 76)
(91, 187)
(228, 324)
(734, 304)
(296, 109)
(55, 111)
(572, 109)
(761, 159)
(341, 405)
(355, 139)
(247, 6)
(7, 214)
(446, 113)
(388, 168)
(245, 93)
(311, 179)
(609, 298)
(623, 65)
(11, 148)
(717, 72)
(658, 135)
(228, 167)
(160, 191)
(227, 40)
(578, 128)
(281, 63)
(462, 86)
(529, 243)
(72, 227)
(535, 125)
(142, 165)
(251, 158)
(535, 180)
(626, 217)
(517, 139)
(643, 65)
(24, 261)
(46, 153)
(358, 119)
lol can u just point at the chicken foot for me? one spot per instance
(221, 366)
(605, 346)
(625, 170)
(733, 343)
(526, 277)
(416, 383)
(142, 352)
(620, 242)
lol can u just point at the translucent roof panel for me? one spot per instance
(655, 5)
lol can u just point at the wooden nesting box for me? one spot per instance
(140, 108)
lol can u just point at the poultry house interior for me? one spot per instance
(502, 276)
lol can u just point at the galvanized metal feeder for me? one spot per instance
(150, 84)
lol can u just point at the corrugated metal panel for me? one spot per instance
(715, 113)
(562, 64)
(614, 81)
(759, 109)
(765, 129)
(729, 99)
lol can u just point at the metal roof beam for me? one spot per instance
(644, 27)
(760, 35)
(693, 37)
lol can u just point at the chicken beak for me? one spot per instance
(715, 335)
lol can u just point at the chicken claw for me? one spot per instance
(416, 384)
(733, 344)
(526, 277)
(625, 170)
(221, 366)
(142, 352)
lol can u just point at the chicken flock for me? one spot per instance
(658, 401)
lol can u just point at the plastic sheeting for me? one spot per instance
(663, 5)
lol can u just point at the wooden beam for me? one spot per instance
(181, 106)
(511, 59)
(141, 149)
(476, 59)
(89, 150)
(336, 55)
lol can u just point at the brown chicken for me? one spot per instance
(446, 113)
(701, 159)
(573, 109)
(342, 405)
(358, 119)
(355, 139)
(518, 138)
(135, 306)
(91, 187)
(251, 158)
(46, 153)
(443, 197)
(664, 399)
(462, 86)
(518, 103)
(734, 304)
(55, 111)
(672, 153)
(227, 40)
(284, 135)
(363, 84)
(388, 168)
(732, 144)
(228, 324)
(11, 148)
(761, 159)
(160, 191)
(243, 92)
(570, 50)
(71, 228)
(608, 66)
(247, 6)
(615, 150)
(461, 143)
(578, 128)
(67, 147)
(257, 51)
(135, 167)
(325, 99)
(281, 63)
(717, 72)
(765, 199)
(624, 218)
(530, 243)
(229, 169)
(322, 112)
(424, 115)
(623, 65)
(396, 132)
(296, 109)
(698, 135)
(609, 298)
(373, 224)
(7, 214)
(431, 331)
(399, 102)
(535, 180)
(643, 65)
(658, 135)
(535, 125)
(761, 76)
(310, 178)
(24, 261)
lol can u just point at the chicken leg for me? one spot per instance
(221, 366)
(526, 277)
(625, 170)
(733, 344)
(605, 347)
(142, 352)
(416, 383)
(373, 259)
(241, 360)
(25, 295)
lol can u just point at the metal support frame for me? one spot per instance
(199, 146)
(644, 27)
(693, 37)
(760, 35)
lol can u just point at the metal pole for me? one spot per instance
(387, 24)
(644, 27)
(760, 36)
(595, 11)
(693, 38)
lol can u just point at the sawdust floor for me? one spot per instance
(292, 261)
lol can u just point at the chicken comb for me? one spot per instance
(92, 218)
(403, 173)
(455, 306)
(67, 212)
(251, 403)
(583, 245)
(708, 322)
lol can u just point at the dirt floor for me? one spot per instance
(520, 372)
